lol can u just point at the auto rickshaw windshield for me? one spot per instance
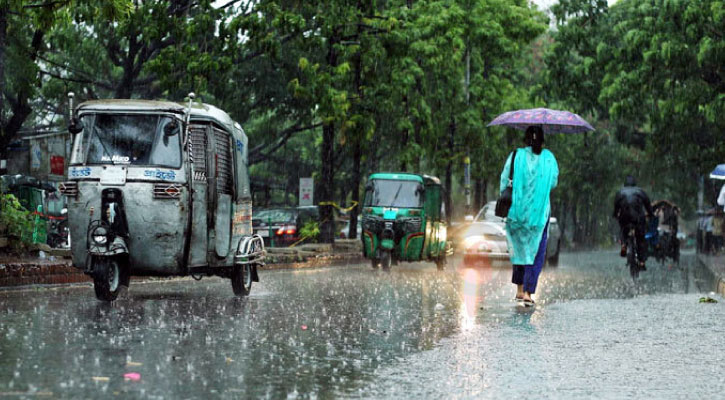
(275, 215)
(133, 139)
(393, 193)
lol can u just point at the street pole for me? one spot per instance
(467, 160)
(467, 181)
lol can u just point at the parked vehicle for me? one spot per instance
(43, 201)
(403, 219)
(488, 213)
(158, 188)
(553, 244)
(282, 226)
(663, 236)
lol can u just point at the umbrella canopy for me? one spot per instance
(718, 172)
(551, 121)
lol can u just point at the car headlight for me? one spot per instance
(100, 236)
(470, 242)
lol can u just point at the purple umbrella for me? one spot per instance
(551, 121)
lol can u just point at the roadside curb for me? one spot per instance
(21, 275)
(716, 265)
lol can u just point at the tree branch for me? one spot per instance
(48, 4)
(256, 155)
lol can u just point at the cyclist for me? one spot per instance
(631, 207)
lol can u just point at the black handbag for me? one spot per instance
(504, 201)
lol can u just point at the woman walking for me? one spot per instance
(536, 172)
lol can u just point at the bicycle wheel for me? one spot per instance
(632, 257)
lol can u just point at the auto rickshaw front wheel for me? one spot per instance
(385, 260)
(242, 279)
(109, 275)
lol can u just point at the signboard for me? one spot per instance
(307, 186)
(56, 165)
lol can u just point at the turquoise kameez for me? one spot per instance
(534, 177)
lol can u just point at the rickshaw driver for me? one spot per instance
(631, 208)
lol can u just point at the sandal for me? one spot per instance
(529, 303)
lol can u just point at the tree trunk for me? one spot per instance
(327, 220)
(449, 169)
(575, 223)
(356, 177)
(327, 226)
(479, 194)
(3, 44)
(404, 138)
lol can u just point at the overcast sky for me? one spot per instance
(544, 4)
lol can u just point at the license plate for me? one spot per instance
(263, 232)
(113, 175)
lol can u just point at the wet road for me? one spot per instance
(354, 332)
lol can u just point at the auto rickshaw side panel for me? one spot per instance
(242, 205)
(431, 207)
(218, 138)
(156, 226)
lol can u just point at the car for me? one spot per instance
(488, 213)
(484, 241)
(282, 224)
(553, 244)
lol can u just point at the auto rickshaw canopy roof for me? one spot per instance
(406, 176)
(199, 111)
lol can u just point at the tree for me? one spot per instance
(24, 30)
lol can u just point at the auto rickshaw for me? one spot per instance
(39, 199)
(403, 219)
(662, 231)
(159, 188)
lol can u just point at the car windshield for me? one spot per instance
(275, 215)
(55, 204)
(392, 193)
(484, 229)
(147, 139)
(488, 213)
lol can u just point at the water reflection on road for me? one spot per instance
(356, 332)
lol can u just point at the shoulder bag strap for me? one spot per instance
(511, 170)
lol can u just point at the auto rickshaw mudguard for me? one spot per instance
(387, 244)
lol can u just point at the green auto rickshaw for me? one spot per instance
(403, 219)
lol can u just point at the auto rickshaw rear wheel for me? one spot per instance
(441, 262)
(242, 279)
(374, 262)
(109, 276)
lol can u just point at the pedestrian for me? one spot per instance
(707, 226)
(700, 231)
(536, 173)
(717, 231)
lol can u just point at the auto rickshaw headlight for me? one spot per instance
(100, 236)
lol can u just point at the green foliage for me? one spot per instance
(18, 220)
(26, 38)
(310, 231)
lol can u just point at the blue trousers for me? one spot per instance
(528, 275)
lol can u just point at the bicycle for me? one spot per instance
(632, 253)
